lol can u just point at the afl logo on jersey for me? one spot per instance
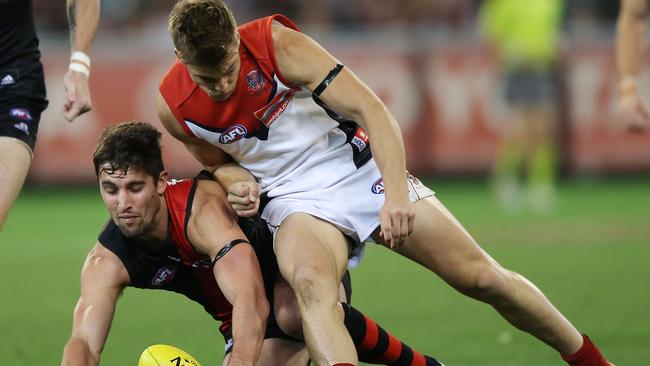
(378, 186)
(164, 276)
(232, 134)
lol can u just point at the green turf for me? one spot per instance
(590, 257)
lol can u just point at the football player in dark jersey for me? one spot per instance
(182, 236)
(22, 97)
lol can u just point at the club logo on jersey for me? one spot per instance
(270, 112)
(360, 139)
(232, 134)
(21, 113)
(378, 186)
(164, 276)
(255, 81)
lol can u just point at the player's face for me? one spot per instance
(133, 199)
(218, 82)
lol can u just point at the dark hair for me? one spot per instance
(129, 144)
(202, 31)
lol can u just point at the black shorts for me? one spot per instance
(22, 100)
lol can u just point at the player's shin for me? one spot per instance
(377, 346)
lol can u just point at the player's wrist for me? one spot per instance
(80, 62)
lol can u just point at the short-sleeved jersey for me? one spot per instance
(173, 265)
(285, 136)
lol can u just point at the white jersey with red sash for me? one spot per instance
(306, 157)
(276, 131)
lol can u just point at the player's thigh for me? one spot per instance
(306, 245)
(15, 158)
(440, 243)
(281, 352)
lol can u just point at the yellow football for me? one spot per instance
(164, 355)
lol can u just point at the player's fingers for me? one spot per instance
(396, 229)
(239, 189)
(72, 112)
(410, 219)
(254, 192)
(236, 199)
(405, 230)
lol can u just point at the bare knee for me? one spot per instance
(313, 288)
(486, 282)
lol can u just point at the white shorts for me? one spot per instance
(352, 205)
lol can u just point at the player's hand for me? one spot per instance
(77, 95)
(633, 113)
(397, 219)
(244, 198)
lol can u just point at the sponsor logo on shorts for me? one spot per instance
(378, 186)
(164, 276)
(21, 113)
(22, 126)
(232, 134)
(228, 344)
(7, 80)
(255, 81)
(413, 179)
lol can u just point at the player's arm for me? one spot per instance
(630, 42)
(304, 62)
(102, 279)
(241, 185)
(213, 227)
(83, 18)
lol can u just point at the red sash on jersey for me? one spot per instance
(179, 197)
(255, 102)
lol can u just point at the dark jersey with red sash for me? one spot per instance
(174, 265)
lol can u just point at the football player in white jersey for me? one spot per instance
(320, 217)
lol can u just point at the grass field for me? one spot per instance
(591, 257)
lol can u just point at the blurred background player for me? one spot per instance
(630, 53)
(22, 97)
(524, 36)
(152, 242)
(83, 18)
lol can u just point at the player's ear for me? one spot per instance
(178, 54)
(161, 185)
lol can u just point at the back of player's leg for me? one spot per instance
(15, 158)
